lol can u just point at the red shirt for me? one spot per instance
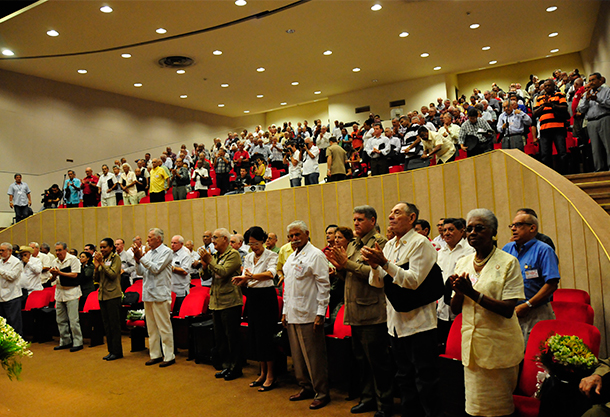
(239, 154)
(89, 185)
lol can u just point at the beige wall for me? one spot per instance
(516, 73)
(596, 57)
(308, 111)
(502, 181)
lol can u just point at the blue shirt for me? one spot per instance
(516, 123)
(20, 193)
(539, 264)
(74, 197)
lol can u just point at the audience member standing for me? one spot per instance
(106, 185)
(72, 191)
(19, 198)
(595, 105)
(65, 271)
(475, 134)
(378, 148)
(306, 296)
(311, 168)
(156, 268)
(336, 158)
(108, 273)
(222, 166)
(32, 268)
(551, 110)
(89, 187)
(117, 180)
(513, 125)
(159, 180)
(181, 264)
(180, 179)
(10, 291)
(128, 185)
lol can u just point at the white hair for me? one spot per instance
(158, 232)
(297, 224)
(224, 232)
(180, 239)
(486, 215)
(35, 244)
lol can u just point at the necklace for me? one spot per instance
(484, 261)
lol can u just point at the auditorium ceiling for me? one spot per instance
(327, 47)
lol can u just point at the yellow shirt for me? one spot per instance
(284, 253)
(491, 340)
(157, 179)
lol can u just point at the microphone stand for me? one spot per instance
(63, 195)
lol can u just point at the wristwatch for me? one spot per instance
(529, 304)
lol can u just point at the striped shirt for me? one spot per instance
(548, 119)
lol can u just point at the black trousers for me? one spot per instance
(21, 212)
(371, 349)
(11, 311)
(558, 137)
(228, 337)
(336, 177)
(379, 166)
(111, 317)
(89, 200)
(222, 181)
(157, 197)
(416, 357)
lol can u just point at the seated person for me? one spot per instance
(243, 180)
(51, 197)
(591, 386)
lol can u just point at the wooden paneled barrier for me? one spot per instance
(502, 181)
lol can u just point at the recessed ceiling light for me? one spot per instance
(221, 105)
(554, 50)
(283, 104)
(217, 52)
(240, 2)
(552, 35)
(260, 69)
(295, 83)
(137, 85)
(290, 31)
(493, 62)
(180, 72)
(403, 34)
(375, 80)
(82, 71)
(259, 96)
(161, 31)
(53, 33)
(436, 68)
(375, 7)
(486, 48)
(126, 55)
(7, 52)
(425, 55)
(356, 69)
(225, 85)
(106, 9)
(551, 9)
(317, 92)
(474, 26)
(183, 96)
(246, 111)
(328, 52)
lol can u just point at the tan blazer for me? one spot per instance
(108, 274)
(222, 268)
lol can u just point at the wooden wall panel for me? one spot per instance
(62, 226)
(115, 223)
(467, 186)
(600, 309)
(222, 213)
(516, 186)
(151, 219)
(186, 220)
(329, 203)
(359, 192)
(34, 226)
(139, 217)
(210, 217)
(317, 223)
(484, 184)
(49, 229)
(288, 208)
(247, 212)
(530, 192)
(344, 197)
(421, 196)
(235, 214)
(171, 216)
(302, 204)
(438, 206)
(451, 192)
(261, 214)
(274, 213)
(18, 233)
(77, 240)
(546, 214)
(592, 280)
(405, 187)
(570, 246)
(375, 196)
(501, 197)
(197, 220)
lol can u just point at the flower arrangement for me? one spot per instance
(12, 348)
(566, 357)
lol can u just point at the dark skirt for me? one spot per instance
(263, 317)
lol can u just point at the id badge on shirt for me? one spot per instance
(108, 262)
(299, 269)
(531, 274)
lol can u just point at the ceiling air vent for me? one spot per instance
(397, 103)
(363, 109)
(176, 62)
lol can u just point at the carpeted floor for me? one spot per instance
(81, 384)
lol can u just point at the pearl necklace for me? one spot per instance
(484, 261)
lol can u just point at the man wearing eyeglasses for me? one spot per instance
(540, 271)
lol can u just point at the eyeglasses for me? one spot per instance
(518, 225)
(215, 237)
(477, 228)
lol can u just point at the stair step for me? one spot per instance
(601, 198)
(606, 207)
(595, 187)
(589, 176)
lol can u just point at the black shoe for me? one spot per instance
(112, 357)
(233, 374)
(364, 407)
(265, 388)
(61, 347)
(165, 364)
(222, 373)
(107, 356)
(76, 348)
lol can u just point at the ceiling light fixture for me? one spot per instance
(137, 85)
(240, 2)
(183, 96)
(82, 71)
(486, 48)
(375, 80)
(106, 9)
(290, 31)
(376, 7)
(356, 69)
(259, 96)
(217, 52)
(125, 55)
(260, 69)
(328, 52)
(436, 68)
(53, 33)
(161, 31)
(295, 83)
(225, 85)
(493, 62)
(180, 72)
(552, 35)
(317, 92)
(246, 111)
(554, 50)
(551, 9)
(7, 52)
(221, 105)
(283, 104)
(474, 26)
(403, 34)
(425, 55)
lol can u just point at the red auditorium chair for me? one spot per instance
(453, 349)
(525, 403)
(212, 191)
(571, 295)
(192, 195)
(192, 310)
(452, 372)
(91, 320)
(566, 310)
(396, 168)
(138, 331)
(341, 362)
(37, 322)
(51, 290)
(196, 282)
(145, 200)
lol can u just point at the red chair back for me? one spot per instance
(171, 308)
(572, 295)
(51, 290)
(192, 195)
(396, 168)
(565, 310)
(541, 331)
(37, 299)
(453, 348)
(194, 304)
(340, 330)
(280, 306)
(137, 288)
(92, 302)
(196, 282)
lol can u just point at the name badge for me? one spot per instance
(108, 263)
(531, 274)
(298, 269)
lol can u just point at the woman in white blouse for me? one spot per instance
(260, 266)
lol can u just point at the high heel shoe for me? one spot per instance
(257, 383)
(264, 388)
